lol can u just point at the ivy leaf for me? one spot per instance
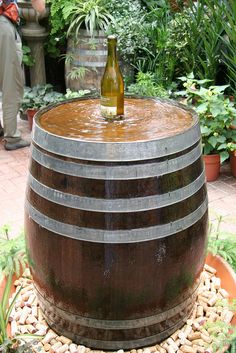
(223, 146)
(213, 141)
(223, 156)
(216, 109)
(221, 139)
(205, 130)
(202, 108)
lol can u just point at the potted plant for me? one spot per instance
(86, 52)
(232, 156)
(38, 97)
(216, 113)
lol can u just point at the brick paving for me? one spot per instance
(13, 179)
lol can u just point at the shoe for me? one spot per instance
(11, 146)
(1, 132)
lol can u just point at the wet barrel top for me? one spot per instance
(147, 124)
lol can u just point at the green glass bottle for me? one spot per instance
(112, 84)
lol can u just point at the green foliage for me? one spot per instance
(222, 335)
(222, 243)
(27, 59)
(77, 73)
(216, 114)
(39, 96)
(5, 310)
(230, 40)
(200, 39)
(12, 253)
(75, 94)
(130, 27)
(195, 39)
(91, 13)
(58, 26)
(12, 344)
(159, 58)
(147, 86)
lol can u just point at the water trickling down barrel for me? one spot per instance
(116, 218)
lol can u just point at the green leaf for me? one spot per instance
(6, 293)
(213, 141)
(223, 146)
(3, 324)
(219, 89)
(223, 156)
(221, 139)
(8, 313)
(202, 108)
(205, 130)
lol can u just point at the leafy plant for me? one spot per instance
(92, 13)
(27, 59)
(196, 39)
(229, 39)
(131, 28)
(216, 114)
(58, 26)
(40, 96)
(222, 335)
(75, 94)
(12, 253)
(12, 344)
(147, 86)
(163, 61)
(4, 311)
(77, 73)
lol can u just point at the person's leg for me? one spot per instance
(11, 82)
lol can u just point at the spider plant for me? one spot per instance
(12, 344)
(93, 14)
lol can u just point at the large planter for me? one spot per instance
(233, 163)
(212, 166)
(88, 55)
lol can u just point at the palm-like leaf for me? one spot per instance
(93, 14)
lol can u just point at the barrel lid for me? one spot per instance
(151, 128)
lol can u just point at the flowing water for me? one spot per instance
(145, 119)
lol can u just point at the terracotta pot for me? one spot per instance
(233, 162)
(226, 274)
(212, 166)
(30, 116)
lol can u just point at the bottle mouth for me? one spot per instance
(112, 36)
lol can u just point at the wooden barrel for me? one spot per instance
(88, 55)
(116, 220)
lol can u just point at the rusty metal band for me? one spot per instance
(118, 324)
(89, 63)
(135, 204)
(117, 345)
(116, 236)
(124, 172)
(97, 52)
(115, 151)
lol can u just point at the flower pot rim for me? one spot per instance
(226, 274)
(211, 156)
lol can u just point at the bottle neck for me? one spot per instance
(112, 55)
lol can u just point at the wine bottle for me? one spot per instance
(112, 84)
